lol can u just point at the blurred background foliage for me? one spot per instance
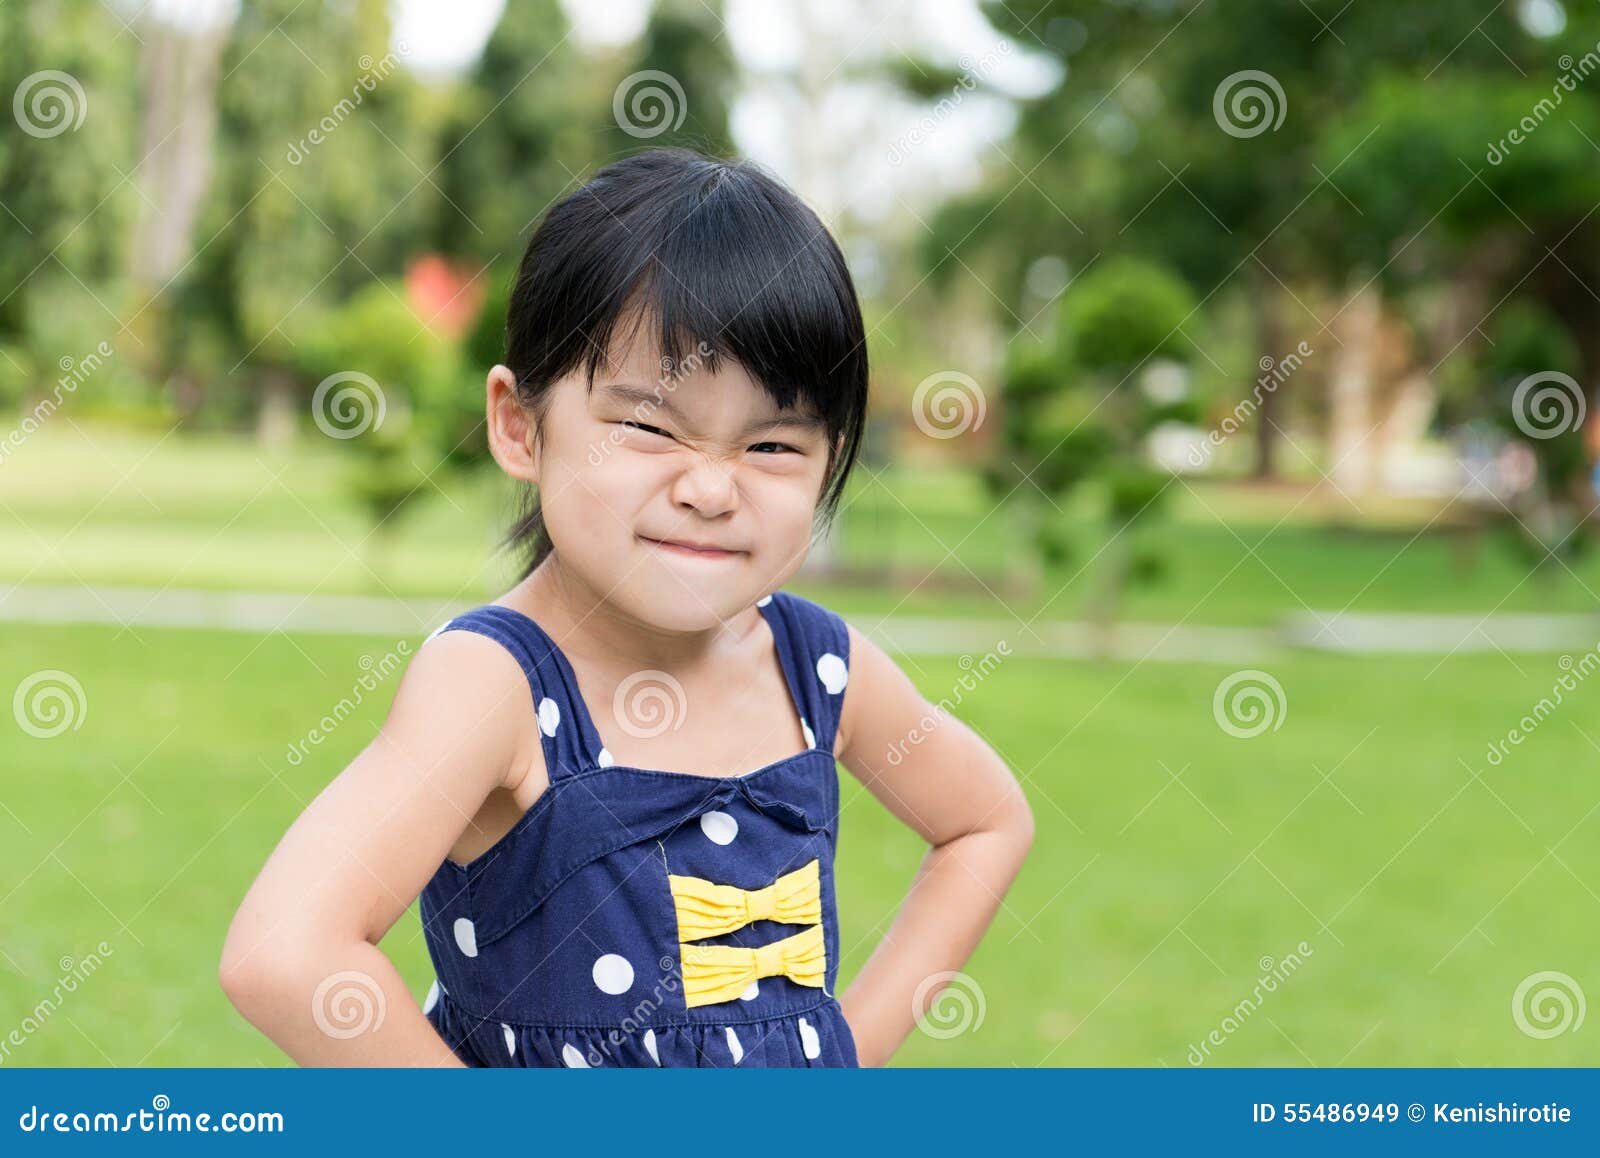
(1110, 217)
(1212, 315)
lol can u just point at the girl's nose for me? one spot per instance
(707, 487)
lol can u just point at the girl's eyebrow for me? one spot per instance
(655, 399)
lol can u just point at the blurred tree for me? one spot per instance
(1502, 273)
(1196, 133)
(515, 138)
(65, 202)
(314, 195)
(393, 413)
(1534, 400)
(679, 85)
(1080, 406)
(178, 103)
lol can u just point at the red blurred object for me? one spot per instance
(445, 296)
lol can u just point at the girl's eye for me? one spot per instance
(646, 429)
(777, 447)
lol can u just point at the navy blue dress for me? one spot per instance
(640, 917)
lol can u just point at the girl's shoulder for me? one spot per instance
(474, 671)
(461, 710)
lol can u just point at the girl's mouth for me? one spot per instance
(691, 550)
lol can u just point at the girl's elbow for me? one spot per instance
(1020, 825)
(247, 979)
(255, 976)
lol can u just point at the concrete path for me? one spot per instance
(1364, 633)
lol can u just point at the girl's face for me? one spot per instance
(652, 464)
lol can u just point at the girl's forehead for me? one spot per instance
(636, 353)
(639, 373)
(702, 404)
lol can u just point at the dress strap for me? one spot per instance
(814, 648)
(568, 737)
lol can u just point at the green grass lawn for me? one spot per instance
(80, 503)
(1171, 858)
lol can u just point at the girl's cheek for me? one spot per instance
(786, 513)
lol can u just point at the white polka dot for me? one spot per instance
(432, 999)
(613, 974)
(719, 827)
(735, 1047)
(752, 993)
(763, 601)
(650, 1046)
(511, 1040)
(832, 672)
(573, 1058)
(466, 937)
(808, 1040)
(811, 737)
(606, 759)
(549, 716)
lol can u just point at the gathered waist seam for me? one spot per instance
(492, 1019)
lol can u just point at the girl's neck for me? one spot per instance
(584, 622)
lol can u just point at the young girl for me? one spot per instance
(614, 788)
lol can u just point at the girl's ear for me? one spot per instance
(511, 430)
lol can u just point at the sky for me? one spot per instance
(862, 148)
(865, 150)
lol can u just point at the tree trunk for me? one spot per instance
(178, 90)
(1269, 339)
(1351, 438)
(277, 422)
(1105, 599)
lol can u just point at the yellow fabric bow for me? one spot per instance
(715, 973)
(708, 910)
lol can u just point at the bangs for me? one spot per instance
(710, 261)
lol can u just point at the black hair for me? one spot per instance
(728, 264)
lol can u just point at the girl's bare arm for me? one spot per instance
(301, 960)
(953, 789)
